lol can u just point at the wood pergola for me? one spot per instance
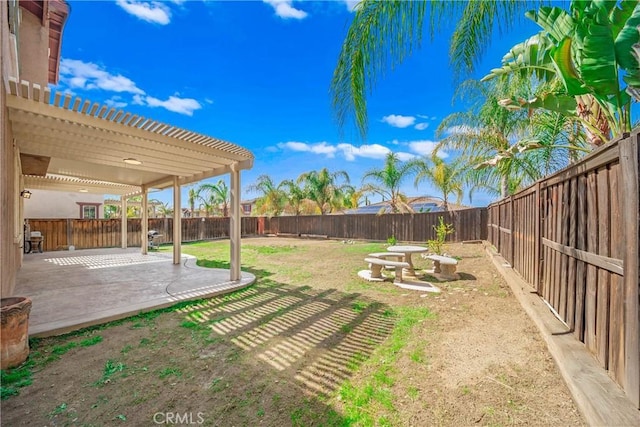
(68, 144)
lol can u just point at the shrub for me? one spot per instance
(442, 230)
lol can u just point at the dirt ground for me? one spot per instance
(310, 344)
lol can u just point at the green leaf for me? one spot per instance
(555, 21)
(598, 68)
(566, 71)
(628, 36)
(563, 104)
(619, 16)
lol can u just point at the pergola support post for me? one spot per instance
(234, 223)
(144, 225)
(123, 221)
(177, 221)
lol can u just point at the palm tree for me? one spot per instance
(388, 181)
(383, 33)
(323, 188)
(218, 195)
(484, 133)
(193, 196)
(273, 197)
(295, 196)
(448, 178)
(164, 209)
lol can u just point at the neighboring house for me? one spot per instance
(420, 204)
(61, 204)
(248, 206)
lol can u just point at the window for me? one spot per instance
(246, 209)
(89, 212)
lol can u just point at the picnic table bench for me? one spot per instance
(377, 264)
(444, 266)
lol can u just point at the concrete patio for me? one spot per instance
(75, 289)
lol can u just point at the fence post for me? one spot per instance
(629, 160)
(537, 240)
(69, 232)
(512, 227)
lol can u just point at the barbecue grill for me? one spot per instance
(153, 237)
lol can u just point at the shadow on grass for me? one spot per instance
(269, 354)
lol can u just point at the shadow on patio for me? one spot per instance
(72, 290)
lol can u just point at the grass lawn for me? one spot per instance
(310, 344)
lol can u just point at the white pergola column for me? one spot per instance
(235, 221)
(177, 222)
(123, 221)
(145, 222)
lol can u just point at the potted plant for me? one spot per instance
(14, 332)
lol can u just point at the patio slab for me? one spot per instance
(71, 290)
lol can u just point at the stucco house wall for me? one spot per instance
(59, 204)
(22, 57)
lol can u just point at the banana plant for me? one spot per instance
(592, 51)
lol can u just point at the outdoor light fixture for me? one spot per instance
(25, 194)
(83, 190)
(131, 161)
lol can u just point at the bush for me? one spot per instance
(442, 230)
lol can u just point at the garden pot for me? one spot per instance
(14, 334)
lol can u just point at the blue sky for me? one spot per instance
(257, 73)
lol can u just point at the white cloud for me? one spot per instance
(154, 12)
(399, 121)
(373, 151)
(284, 9)
(403, 157)
(319, 148)
(116, 102)
(421, 126)
(422, 147)
(184, 106)
(351, 4)
(425, 148)
(87, 75)
(349, 151)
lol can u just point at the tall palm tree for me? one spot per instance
(295, 196)
(388, 180)
(324, 187)
(273, 198)
(484, 133)
(193, 196)
(218, 195)
(383, 33)
(448, 178)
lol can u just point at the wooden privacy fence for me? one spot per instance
(59, 234)
(469, 224)
(575, 237)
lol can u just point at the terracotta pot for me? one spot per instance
(14, 335)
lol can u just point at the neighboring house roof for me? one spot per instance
(418, 204)
(64, 135)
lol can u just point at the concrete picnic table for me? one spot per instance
(408, 250)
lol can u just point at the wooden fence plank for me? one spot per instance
(592, 271)
(629, 164)
(616, 307)
(581, 268)
(571, 274)
(602, 302)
